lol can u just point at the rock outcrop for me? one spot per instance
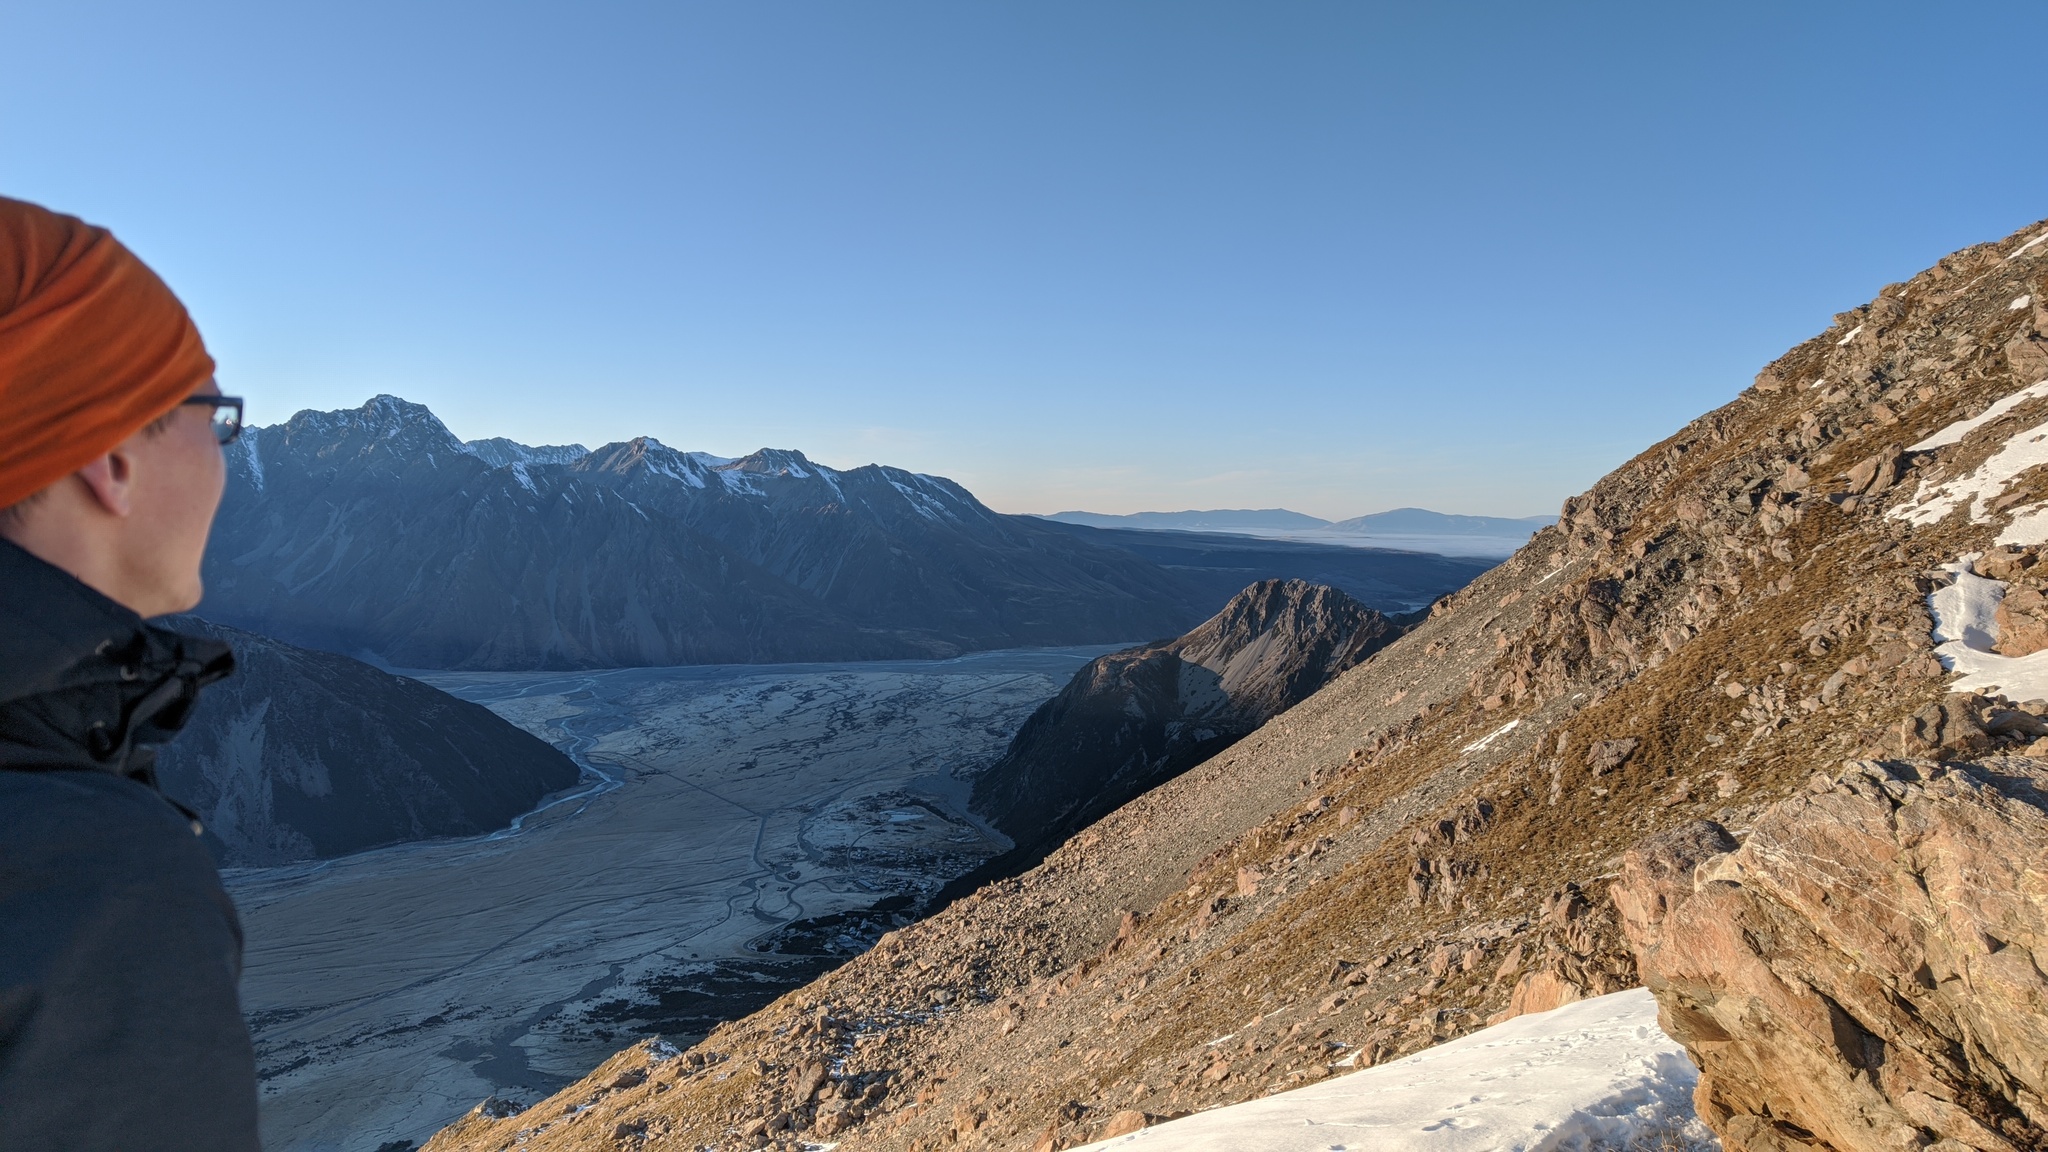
(1863, 973)
(1134, 719)
(302, 755)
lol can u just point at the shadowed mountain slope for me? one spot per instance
(1134, 719)
(1429, 842)
(303, 754)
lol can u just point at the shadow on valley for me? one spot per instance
(684, 1004)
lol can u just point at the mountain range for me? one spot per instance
(1759, 724)
(1416, 529)
(376, 533)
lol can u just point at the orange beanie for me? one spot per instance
(92, 347)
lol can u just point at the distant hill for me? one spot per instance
(1217, 520)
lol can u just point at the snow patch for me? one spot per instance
(1931, 504)
(1981, 487)
(1853, 333)
(2020, 303)
(2029, 244)
(1954, 433)
(1598, 1073)
(253, 458)
(1966, 626)
(525, 481)
(738, 481)
(923, 502)
(1480, 744)
(2029, 525)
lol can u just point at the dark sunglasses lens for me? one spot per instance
(227, 424)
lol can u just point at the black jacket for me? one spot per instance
(119, 951)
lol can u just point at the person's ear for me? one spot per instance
(109, 479)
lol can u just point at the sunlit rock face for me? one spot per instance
(304, 754)
(1860, 974)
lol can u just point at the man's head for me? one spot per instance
(106, 472)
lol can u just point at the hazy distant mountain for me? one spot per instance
(1408, 529)
(303, 754)
(1423, 522)
(375, 531)
(1218, 520)
(1219, 565)
(1134, 719)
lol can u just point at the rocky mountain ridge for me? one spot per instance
(1433, 840)
(376, 532)
(1134, 719)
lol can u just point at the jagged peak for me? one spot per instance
(778, 462)
(645, 454)
(1270, 603)
(1293, 614)
(384, 418)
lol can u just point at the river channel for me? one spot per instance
(738, 830)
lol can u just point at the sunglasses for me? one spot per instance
(227, 416)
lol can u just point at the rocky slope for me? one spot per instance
(377, 532)
(303, 754)
(1134, 719)
(1429, 842)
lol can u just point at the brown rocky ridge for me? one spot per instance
(1131, 720)
(1429, 842)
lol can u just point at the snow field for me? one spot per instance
(1598, 1074)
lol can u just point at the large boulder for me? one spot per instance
(1864, 972)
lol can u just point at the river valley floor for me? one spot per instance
(738, 830)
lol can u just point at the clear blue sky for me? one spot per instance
(1336, 257)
